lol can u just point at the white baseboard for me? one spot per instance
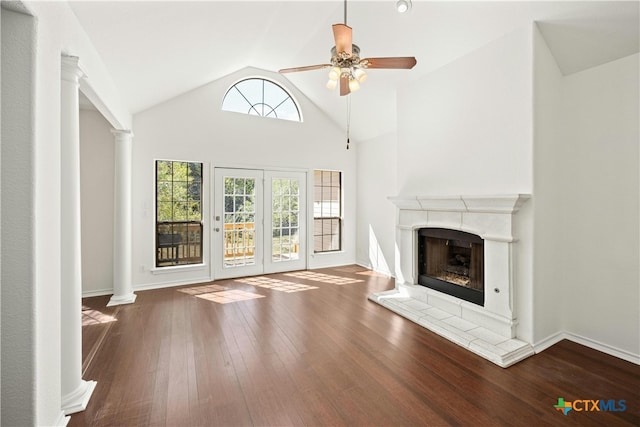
(368, 265)
(364, 264)
(587, 342)
(98, 293)
(78, 399)
(324, 260)
(171, 284)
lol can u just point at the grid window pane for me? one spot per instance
(327, 211)
(178, 213)
(285, 211)
(239, 222)
(261, 97)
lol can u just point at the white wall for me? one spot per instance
(96, 187)
(376, 215)
(601, 253)
(586, 201)
(18, 289)
(192, 127)
(466, 127)
(511, 123)
(0, 224)
(35, 385)
(548, 193)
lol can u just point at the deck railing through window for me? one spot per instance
(239, 240)
(178, 242)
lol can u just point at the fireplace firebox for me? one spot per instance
(452, 262)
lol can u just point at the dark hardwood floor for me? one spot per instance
(308, 349)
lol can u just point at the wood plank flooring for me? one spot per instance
(309, 349)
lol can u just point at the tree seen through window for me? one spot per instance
(178, 213)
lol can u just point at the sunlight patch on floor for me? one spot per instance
(219, 294)
(232, 295)
(203, 289)
(324, 278)
(275, 284)
(95, 317)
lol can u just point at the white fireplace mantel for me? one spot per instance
(506, 203)
(488, 330)
(490, 217)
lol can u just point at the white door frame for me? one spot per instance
(263, 222)
(299, 258)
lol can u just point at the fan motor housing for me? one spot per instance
(343, 59)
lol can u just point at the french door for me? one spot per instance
(259, 222)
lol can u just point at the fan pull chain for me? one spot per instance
(348, 118)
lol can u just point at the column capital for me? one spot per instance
(122, 134)
(71, 69)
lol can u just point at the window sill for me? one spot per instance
(178, 268)
(328, 253)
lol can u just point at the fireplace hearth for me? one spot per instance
(452, 262)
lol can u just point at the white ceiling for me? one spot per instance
(158, 50)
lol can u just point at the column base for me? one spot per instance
(62, 420)
(78, 400)
(122, 299)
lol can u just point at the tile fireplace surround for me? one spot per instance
(488, 330)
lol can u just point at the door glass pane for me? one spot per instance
(239, 222)
(285, 210)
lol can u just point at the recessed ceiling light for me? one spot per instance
(403, 5)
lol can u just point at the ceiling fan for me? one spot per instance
(346, 65)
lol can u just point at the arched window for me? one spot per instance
(261, 97)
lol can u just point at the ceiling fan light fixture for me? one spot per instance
(332, 84)
(403, 6)
(360, 75)
(334, 73)
(353, 85)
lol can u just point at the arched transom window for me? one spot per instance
(260, 97)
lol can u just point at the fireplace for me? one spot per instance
(456, 271)
(452, 262)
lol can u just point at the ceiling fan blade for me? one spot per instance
(343, 37)
(306, 68)
(399, 62)
(344, 86)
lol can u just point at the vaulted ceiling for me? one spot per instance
(158, 50)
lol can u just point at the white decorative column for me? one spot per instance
(75, 391)
(122, 240)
